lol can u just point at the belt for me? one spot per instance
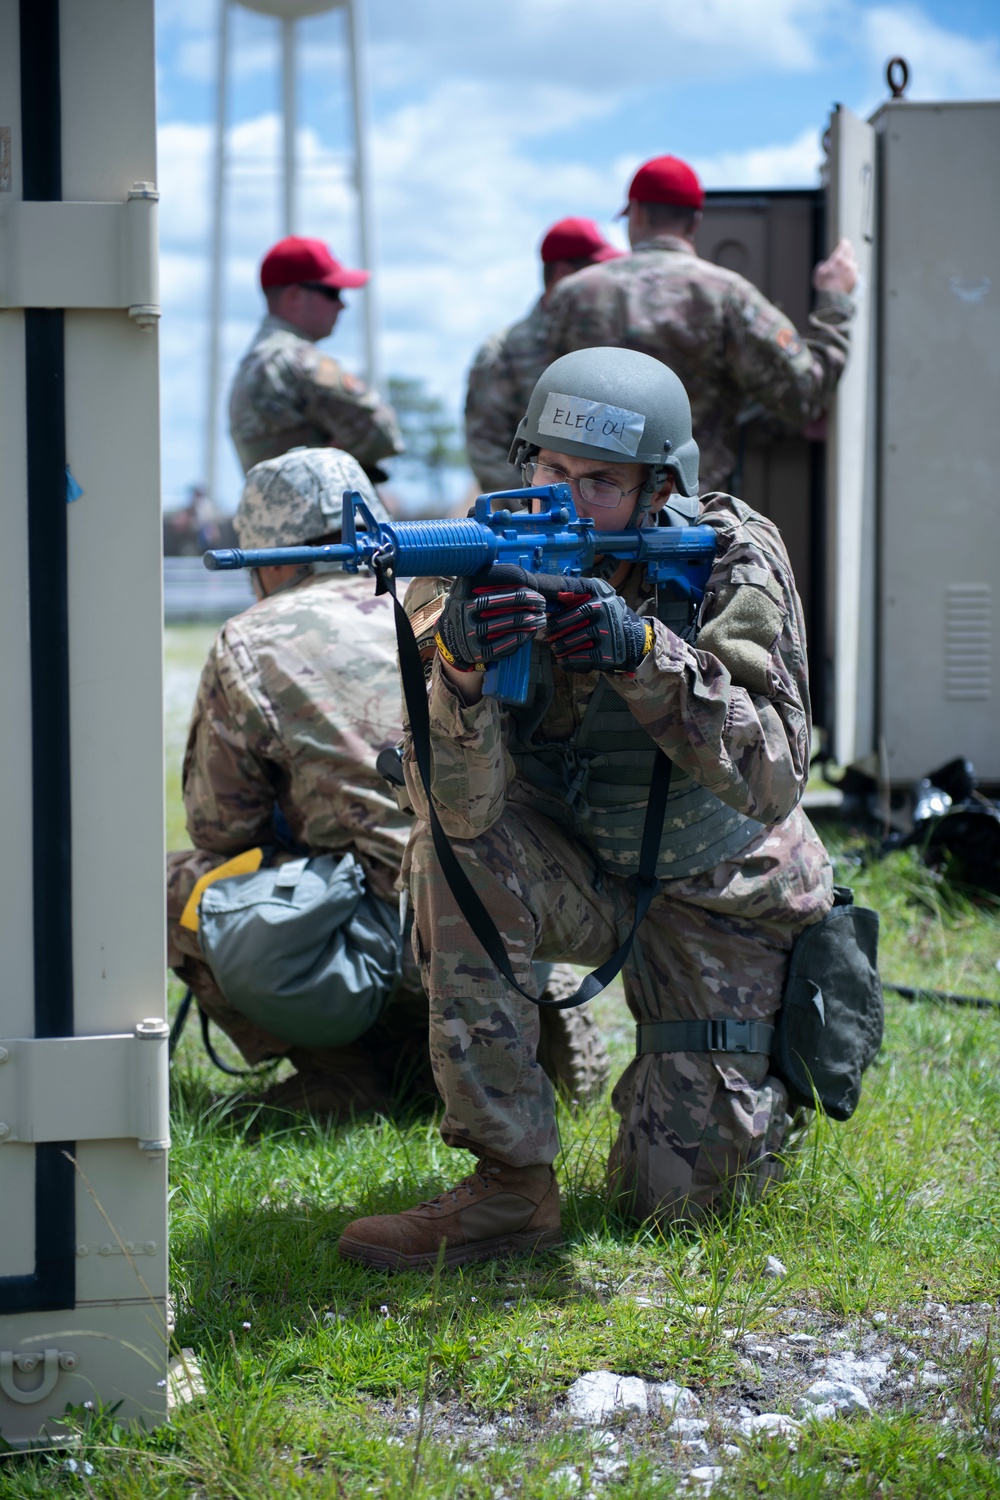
(718, 1035)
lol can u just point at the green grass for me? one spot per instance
(319, 1396)
(312, 1399)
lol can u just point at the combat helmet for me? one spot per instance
(299, 497)
(617, 404)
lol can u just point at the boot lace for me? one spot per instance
(471, 1185)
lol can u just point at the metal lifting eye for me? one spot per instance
(897, 76)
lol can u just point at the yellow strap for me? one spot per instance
(449, 658)
(243, 864)
(439, 643)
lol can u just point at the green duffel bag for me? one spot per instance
(829, 1027)
(303, 949)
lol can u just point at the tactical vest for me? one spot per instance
(596, 785)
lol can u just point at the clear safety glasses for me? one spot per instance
(599, 492)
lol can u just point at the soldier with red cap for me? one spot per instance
(287, 394)
(504, 371)
(731, 347)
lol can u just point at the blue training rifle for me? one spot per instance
(551, 539)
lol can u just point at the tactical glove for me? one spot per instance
(593, 629)
(488, 617)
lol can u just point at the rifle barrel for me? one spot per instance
(224, 559)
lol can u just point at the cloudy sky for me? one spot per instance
(489, 121)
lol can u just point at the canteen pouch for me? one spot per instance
(303, 949)
(830, 1024)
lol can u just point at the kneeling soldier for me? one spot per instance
(545, 805)
(299, 695)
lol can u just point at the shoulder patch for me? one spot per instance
(333, 377)
(743, 636)
(424, 601)
(786, 338)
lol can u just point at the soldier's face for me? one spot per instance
(312, 310)
(322, 310)
(627, 479)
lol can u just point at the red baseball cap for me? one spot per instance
(293, 261)
(667, 179)
(577, 239)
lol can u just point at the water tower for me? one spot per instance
(287, 13)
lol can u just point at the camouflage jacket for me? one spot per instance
(732, 711)
(501, 379)
(298, 696)
(732, 348)
(286, 394)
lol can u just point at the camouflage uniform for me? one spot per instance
(501, 379)
(298, 696)
(736, 718)
(731, 348)
(287, 394)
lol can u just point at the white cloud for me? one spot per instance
(197, 59)
(461, 206)
(478, 143)
(630, 44)
(184, 166)
(251, 224)
(943, 64)
(795, 164)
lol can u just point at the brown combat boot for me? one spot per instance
(498, 1210)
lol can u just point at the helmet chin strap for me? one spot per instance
(604, 568)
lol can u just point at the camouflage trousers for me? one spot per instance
(695, 1126)
(391, 1057)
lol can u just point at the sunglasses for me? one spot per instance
(331, 293)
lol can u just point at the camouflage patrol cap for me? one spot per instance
(299, 497)
(613, 404)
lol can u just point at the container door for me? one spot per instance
(773, 238)
(939, 438)
(851, 532)
(83, 1066)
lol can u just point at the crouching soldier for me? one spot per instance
(545, 805)
(284, 918)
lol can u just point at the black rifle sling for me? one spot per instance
(484, 929)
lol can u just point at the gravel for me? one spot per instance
(767, 1424)
(842, 1395)
(685, 1428)
(601, 1394)
(869, 1374)
(679, 1400)
(799, 1360)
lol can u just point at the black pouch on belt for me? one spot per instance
(830, 1024)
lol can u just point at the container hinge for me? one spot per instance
(87, 1088)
